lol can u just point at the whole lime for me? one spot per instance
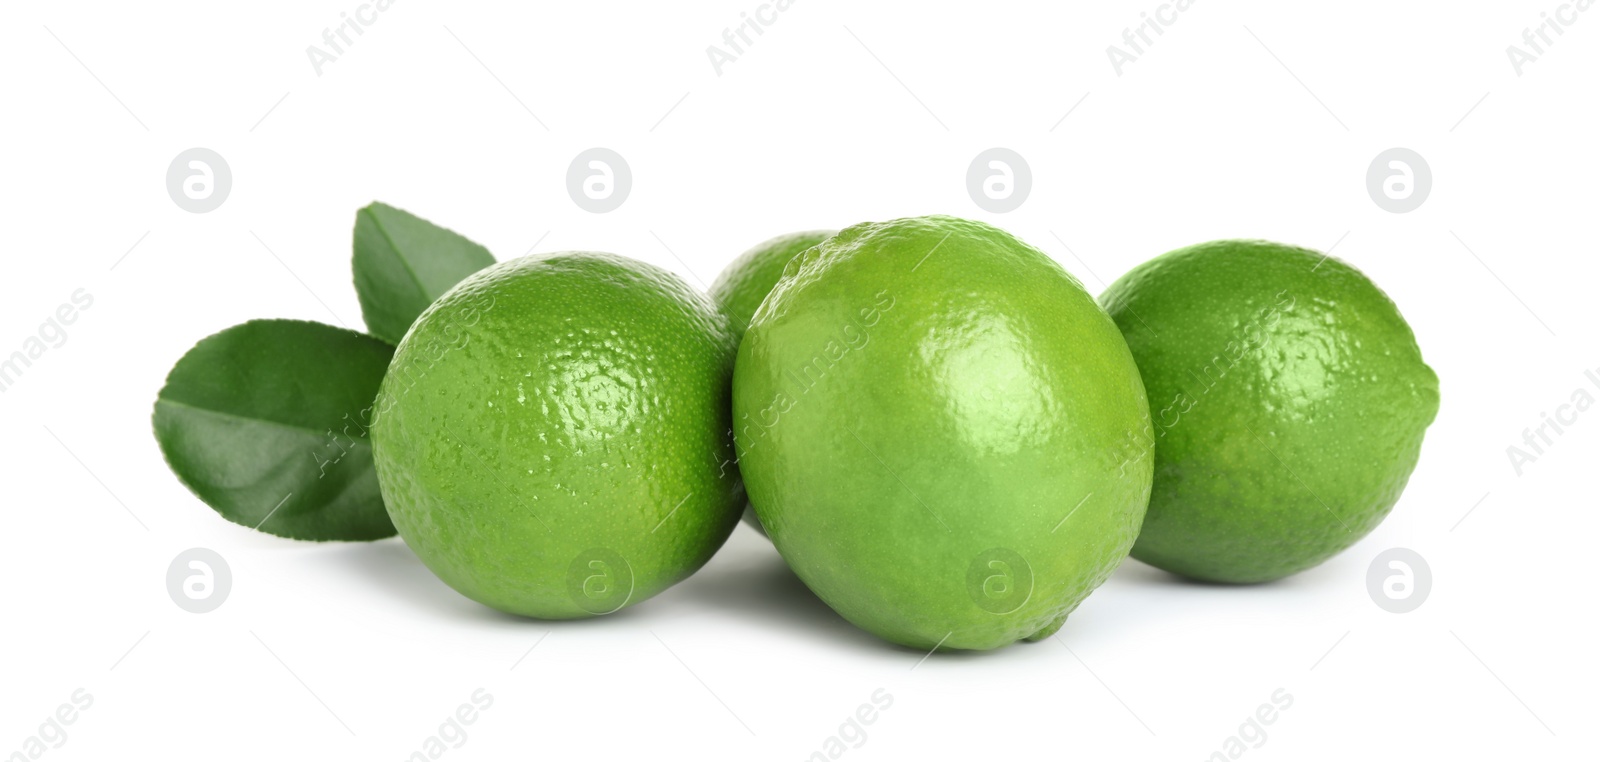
(742, 286)
(746, 281)
(1288, 401)
(552, 436)
(925, 410)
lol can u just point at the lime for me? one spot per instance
(1288, 401)
(552, 436)
(924, 411)
(743, 285)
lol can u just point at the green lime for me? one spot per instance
(745, 283)
(552, 436)
(741, 287)
(925, 410)
(1288, 401)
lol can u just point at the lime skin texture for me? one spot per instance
(1288, 401)
(924, 411)
(552, 437)
(745, 283)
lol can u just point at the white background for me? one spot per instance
(1252, 119)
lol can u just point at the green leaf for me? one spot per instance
(267, 423)
(403, 263)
